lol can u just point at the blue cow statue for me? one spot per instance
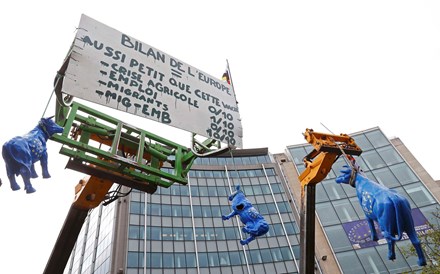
(255, 224)
(389, 209)
(21, 152)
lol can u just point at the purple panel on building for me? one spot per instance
(358, 232)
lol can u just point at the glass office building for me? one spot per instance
(340, 215)
(180, 229)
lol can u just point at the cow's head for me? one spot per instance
(239, 201)
(347, 176)
(49, 126)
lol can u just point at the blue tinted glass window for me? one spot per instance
(254, 160)
(373, 160)
(156, 260)
(291, 228)
(156, 233)
(345, 211)
(231, 233)
(362, 141)
(403, 173)
(213, 259)
(321, 194)
(399, 265)
(166, 210)
(220, 233)
(334, 190)
(386, 177)
(255, 256)
(238, 160)
(167, 233)
(168, 262)
(350, 263)
(390, 155)
(262, 208)
(327, 214)
(224, 258)
(287, 254)
(236, 257)
(221, 161)
(338, 238)
(133, 259)
(136, 207)
(270, 172)
(271, 208)
(259, 173)
(179, 260)
(377, 138)
(298, 154)
(190, 259)
(276, 254)
(419, 194)
(188, 233)
(203, 259)
(266, 255)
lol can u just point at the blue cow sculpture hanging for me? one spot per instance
(21, 152)
(255, 224)
(389, 209)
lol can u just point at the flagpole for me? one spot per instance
(230, 78)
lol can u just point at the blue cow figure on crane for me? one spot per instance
(255, 224)
(389, 209)
(21, 152)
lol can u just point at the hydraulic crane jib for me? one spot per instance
(102, 146)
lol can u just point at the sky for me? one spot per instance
(347, 65)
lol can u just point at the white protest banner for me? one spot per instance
(113, 69)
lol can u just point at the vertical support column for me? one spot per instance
(307, 229)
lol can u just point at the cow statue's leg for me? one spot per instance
(230, 215)
(412, 235)
(33, 172)
(26, 175)
(43, 161)
(391, 248)
(11, 177)
(248, 240)
(373, 231)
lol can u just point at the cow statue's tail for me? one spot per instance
(403, 222)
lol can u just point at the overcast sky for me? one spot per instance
(350, 65)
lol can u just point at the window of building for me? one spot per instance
(224, 258)
(236, 257)
(255, 256)
(377, 139)
(362, 141)
(345, 211)
(156, 260)
(371, 261)
(386, 177)
(334, 190)
(419, 194)
(372, 159)
(203, 259)
(190, 259)
(179, 260)
(298, 154)
(327, 214)
(321, 194)
(338, 238)
(399, 265)
(403, 173)
(350, 263)
(390, 155)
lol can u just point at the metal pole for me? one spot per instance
(307, 230)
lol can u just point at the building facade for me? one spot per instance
(180, 229)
